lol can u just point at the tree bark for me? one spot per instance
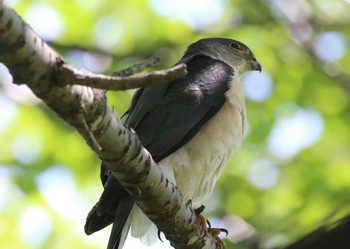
(66, 91)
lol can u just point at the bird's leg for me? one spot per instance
(206, 226)
(198, 211)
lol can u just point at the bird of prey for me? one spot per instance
(190, 126)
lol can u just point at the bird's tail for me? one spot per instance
(121, 224)
(124, 234)
(114, 206)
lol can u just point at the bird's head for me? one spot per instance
(234, 53)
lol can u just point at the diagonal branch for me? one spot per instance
(30, 60)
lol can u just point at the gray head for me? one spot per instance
(232, 52)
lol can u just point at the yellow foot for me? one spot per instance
(215, 232)
(206, 226)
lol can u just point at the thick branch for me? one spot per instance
(30, 60)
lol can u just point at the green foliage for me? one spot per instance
(289, 195)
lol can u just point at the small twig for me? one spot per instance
(94, 144)
(138, 67)
(72, 76)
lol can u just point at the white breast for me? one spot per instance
(197, 165)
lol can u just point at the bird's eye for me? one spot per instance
(235, 45)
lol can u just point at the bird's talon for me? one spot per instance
(215, 232)
(199, 210)
(208, 224)
(223, 230)
(159, 237)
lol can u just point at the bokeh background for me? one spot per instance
(290, 176)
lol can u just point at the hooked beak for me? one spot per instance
(255, 66)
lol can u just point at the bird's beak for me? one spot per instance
(255, 66)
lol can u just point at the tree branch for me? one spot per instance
(30, 60)
(75, 76)
(138, 67)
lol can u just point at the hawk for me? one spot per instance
(191, 126)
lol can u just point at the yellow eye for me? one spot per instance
(235, 45)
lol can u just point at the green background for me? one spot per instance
(291, 174)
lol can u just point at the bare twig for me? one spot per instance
(89, 135)
(72, 76)
(138, 67)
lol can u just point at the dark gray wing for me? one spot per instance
(165, 117)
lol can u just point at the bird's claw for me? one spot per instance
(216, 231)
(206, 226)
(159, 237)
(202, 219)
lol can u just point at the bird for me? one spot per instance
(191, 126)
